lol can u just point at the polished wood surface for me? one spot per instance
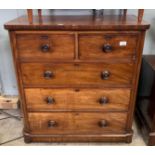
(76, 74)
(77, 123)
(107, 22)
(46, 46)
(77, 99)
(93, 46)
(76, 80)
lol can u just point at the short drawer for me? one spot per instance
(49, 74)
(77, 123)
(77, 99)
(105, 46)
(46, 46)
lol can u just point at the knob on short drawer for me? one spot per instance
(48, 74)
(107, 48)
(105, 75)
(103, 100)
(45, 48)
(50, 100)
(103, 123)
(52, 124)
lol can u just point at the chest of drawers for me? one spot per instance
(77, 76)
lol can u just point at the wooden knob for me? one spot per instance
(45, 48)
(103, 123)
(105, 75)
(103, 100)
(52, 124)
(48, 74)
(50, 100)
(107, 48)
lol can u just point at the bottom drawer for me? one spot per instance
(77, 122)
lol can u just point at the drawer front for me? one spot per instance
(77, 123)
(48, 47)
(77, 99)
(76, 74)
(104, 46)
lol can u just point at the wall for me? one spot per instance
(7, 75)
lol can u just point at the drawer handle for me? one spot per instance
(52, 124)
(50, 100)
(45, 48)
(48, 74)
(103, 100)
(105, 75)
(103, 123)
(107, 48)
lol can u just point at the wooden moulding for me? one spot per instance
(126, 137)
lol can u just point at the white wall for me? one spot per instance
(7, 75)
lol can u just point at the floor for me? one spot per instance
(11, 133)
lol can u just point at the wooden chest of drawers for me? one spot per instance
(77, 76)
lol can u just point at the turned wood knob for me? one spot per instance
(103, 100)
(105, 75)
(45, 48)
(50, 100)
(52, 124)
(102, 123)
(48, 74)
(107, 48)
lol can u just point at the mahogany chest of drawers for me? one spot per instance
(77, 76)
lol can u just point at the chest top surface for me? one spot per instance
(107, 22)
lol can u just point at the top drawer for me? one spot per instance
(46, 46)
(102, 46)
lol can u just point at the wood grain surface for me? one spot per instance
(46, 46)
(91, 46)
(77, 99)
(76, 74)
(77, 123)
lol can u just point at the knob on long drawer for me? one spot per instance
(50, 100)
(103, 123)
(103, 100)
(48, 74)
(105, 75)
(52, 124)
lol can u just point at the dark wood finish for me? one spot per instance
(145, 109)
(92, 94)
(77, 99)
(108, 22)
(124, 12)
(76, 74)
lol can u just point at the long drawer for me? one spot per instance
(107, 45)
(77, 123)
(46, 46)
(47, 74)
(77, 99)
